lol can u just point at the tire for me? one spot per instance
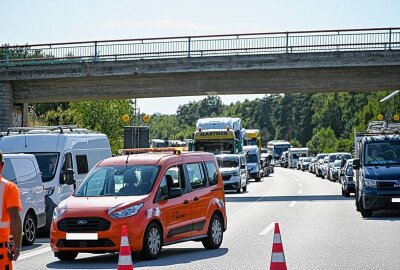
(364, 212)
(215, 233)
(346, 193)
(152, 242)
(357, 202)
(66, 255)
(238, 190)
(244, 188)
(29, 228)
(258, 179)
(342, 191)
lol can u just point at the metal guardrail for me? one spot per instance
(375, 39)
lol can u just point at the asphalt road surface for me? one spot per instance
(320, 229)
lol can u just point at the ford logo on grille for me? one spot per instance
(81, 222)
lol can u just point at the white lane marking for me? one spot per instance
(292, 204)
(300, 185)
(300, 192)
(33, 253)
(237, 213)
(267, 229)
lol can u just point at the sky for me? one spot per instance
(49, 21)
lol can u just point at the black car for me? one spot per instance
(346, 179)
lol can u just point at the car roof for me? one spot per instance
(156, 158)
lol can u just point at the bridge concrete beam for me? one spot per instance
(357, 79)
(250, 74)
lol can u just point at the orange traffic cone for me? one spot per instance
(278, 256)
(125, 257)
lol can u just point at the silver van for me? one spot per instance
(23, 170)
(233, 168)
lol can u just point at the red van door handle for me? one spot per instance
(185, 201)
(196, 199)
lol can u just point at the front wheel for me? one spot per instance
(66, 255)
(244, 188)
(152, 242)
(364, 212)
(30, 230)
(215, 233)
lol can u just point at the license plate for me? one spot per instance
(82, 236)
(396, 200)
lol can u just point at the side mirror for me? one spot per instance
(175, 193)
(356, 164)
(69, 177)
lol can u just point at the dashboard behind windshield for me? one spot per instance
(382, 153)
(118, 181)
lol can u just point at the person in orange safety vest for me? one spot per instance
(10, 221)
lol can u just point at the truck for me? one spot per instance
(276, 148)
(221, 135)
(294, 154)
(253, 137)
(377, 168)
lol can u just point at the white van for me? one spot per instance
(233, 168)
(253, 161)
(60, 152)
(23, 170)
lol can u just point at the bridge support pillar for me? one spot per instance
(6, 105)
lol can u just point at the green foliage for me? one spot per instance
(295, 143)
(103, 116)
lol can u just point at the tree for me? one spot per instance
(103, 116)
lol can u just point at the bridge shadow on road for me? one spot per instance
(298, 198)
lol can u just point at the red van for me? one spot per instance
(162, 199)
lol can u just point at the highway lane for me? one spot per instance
(320, 230)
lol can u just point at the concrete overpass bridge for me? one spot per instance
(259, 63)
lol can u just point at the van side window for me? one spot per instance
(212, 173)
(196, 175)
(82, 164)
(66, 165)
(25, 169)
(8, 171)
(172, 179)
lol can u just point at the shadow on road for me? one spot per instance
(105, 261)
(176, 256)
(299, 198)
(169, 256)
(385, 215)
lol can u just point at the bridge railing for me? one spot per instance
(203, 46)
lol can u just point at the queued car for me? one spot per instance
(334, 170)
(298, 165)
(305, 163)
(233, 168)
(331, 159)
(347, 178)
(318, 164)
(161, 198)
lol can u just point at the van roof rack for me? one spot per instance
(381, 127)
(47, 129)
(174, 150)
